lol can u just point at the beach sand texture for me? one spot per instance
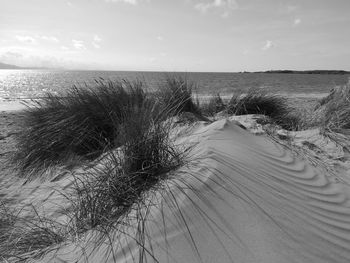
(242, 198)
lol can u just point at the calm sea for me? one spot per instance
(19, 84)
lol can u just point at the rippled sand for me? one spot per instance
(241, 198)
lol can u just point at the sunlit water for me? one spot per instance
(21, 84)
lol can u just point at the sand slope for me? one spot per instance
(242, 198)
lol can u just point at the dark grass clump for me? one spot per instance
(176, 95)
(145, 159)
(260, 101)
(81, 124)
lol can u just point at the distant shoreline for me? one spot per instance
(322, 72)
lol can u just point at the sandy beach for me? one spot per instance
(242, 197)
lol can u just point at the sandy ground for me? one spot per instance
(244, 197)
(9, 126)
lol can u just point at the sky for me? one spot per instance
(176, 35)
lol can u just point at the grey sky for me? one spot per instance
(176, 35)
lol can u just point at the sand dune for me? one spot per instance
(242, 198)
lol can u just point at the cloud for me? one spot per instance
(296, 21)
(132, 2)
(226, 5)
(268, 44)
(95, 45)
(49, 38)
(10, 56)
(26, 39)
(79, 44)
(28, 58)
(96, 41)
(97, 38)
(160, 38)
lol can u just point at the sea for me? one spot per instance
(31, 84)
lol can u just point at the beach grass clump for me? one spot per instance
(23, 237)
(83, 123)
(333, 115)
(214, 105)
(175, 94)
(336, 108)
(109, 192)
(261, 101)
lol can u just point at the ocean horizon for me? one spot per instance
(29, 83)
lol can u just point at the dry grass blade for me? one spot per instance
(27, 237)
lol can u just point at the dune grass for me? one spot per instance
(22, 237)
(337, 110)
(261, 101)
(176, 95)
(334, 115)
(79, 125)
(118, 121)
(108, 192)
(214, 105)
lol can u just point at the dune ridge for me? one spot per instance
(242, 198)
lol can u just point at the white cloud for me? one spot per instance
(95, 45)
(78, 44)
(96, 41)
(97, 38)
(39, 58)
(49, 38)
(268, 44)
(297, 21)
(132, 2)
(64, 48)
(26, 39)
(227, 5)
(160, 38)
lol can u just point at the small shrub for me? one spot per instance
(82, 123)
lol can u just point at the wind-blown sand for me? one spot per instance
(241, 198)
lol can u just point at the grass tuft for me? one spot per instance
(22, 238)
(337, 109)
(214, 105)
(334, 115)
(176, 95)
(109, 192)
(80, 125)
(260, 101)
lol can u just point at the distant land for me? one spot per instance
(8, 66)
(324, 72)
